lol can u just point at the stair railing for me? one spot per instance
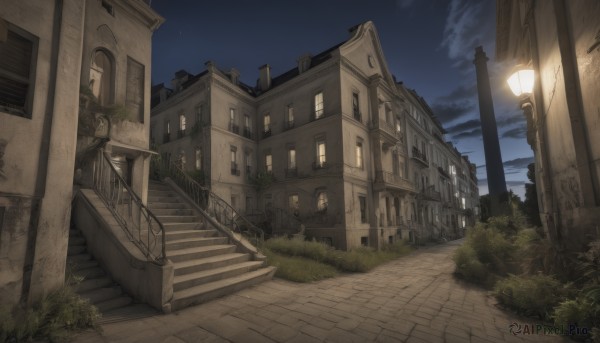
(211, 203)
(139, 223)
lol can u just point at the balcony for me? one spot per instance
(234, 169)
(388, 130)
(357, 115)
(430, 193)
(289, 125)
(320, 165)
(248, 133)
(180, 134)
(166, 138)
(267, 132)
(234, 128)
(386, 180)
(443, 172)
(317, 115)
(420, 157)
(291, 172)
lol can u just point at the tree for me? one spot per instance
(530, 206)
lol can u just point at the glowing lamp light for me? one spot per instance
(521, 82)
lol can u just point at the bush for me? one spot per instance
(299, 269)
(533, 295)
(491, 247)
(52, 319)
(469, 267)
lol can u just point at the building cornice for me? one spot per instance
(142, 12)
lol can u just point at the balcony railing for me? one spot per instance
(320, 165)
(267, 132)
(392, 179)
(138, 222)
(234, 128)
(180, 133)
(234, 169)
(291, 172)
(431, 194)
(166, 138)
(419, 155)
(357, 115)
(248, 133)
(289, 125)
(443, 172)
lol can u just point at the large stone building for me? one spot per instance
(335, 142)
(560, 41)
(49, 52)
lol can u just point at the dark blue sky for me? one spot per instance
(428, 44)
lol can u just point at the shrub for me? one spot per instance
(492, 249)
(52, 319)
(533, 295)
(469, 267)
(299, 269)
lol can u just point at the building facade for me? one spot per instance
(335, 142)
(559, 41)
(50, 52)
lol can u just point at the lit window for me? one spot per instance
(319, 105)
(290, 116)
(269, 163)
(355, 106)
(321, 156)
(322, 201)
(101, 77)
(233, 127)
(232, 115)
(292, 158)
(168, 127)
(182, 122)
(359, 155)
(294, 204)
(267, 122)
(198, 159)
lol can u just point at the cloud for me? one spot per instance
(468, 125)
(459, 93)
(446, 112)
(404, 3)
(513, 118)
(468, 134)
(518, 163)
(515, 183)
(517, 133)
(481, 166)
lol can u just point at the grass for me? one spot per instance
(304, 261)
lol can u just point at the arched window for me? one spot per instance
(101, 77)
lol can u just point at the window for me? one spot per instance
(233, 127)
(395, 164)
(321, 154)
(319, 105)
(168, 126)
(290, 116)
(398, 126)
(247, 125)
(167, 132)
(359, 155)
(182, 122)
(266, 125)
(134, 95)
(355, 106)
(322, 201)
(362, 201)
(198, 159)
(234, 166)
(388, 113)
(294, 204)
(292, 158)
(101, 77)
(364, 241)
(269, 163)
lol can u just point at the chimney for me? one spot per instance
(234, 75)
(265, 77)
(304, 63)
(210, 66)
(181, 76)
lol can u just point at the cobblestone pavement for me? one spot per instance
(412, 299)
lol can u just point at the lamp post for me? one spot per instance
(521, 83)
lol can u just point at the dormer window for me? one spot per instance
(304, 63)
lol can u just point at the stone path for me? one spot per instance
(413, 299)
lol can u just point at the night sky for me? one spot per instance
(428, 44)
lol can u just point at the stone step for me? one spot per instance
(182, 226)
(79, 265)
(185, 234)
(88, 285)
(167, 205)
(212, 290)
(182, 282)
(102, 294)
(199, 252)
(90, 273)
(173, 212)
(114, 303)
(177, 219)
(160, 192)
(75, 250)
(195, 242)
(198, 265)
(155, 199)
(76, 240)
(80, 258)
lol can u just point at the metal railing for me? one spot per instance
(139, 223)
(393, 179)
(210, 203)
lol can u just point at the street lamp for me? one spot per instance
(521, 81)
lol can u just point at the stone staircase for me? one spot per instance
(206, 264)
(95, 285)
